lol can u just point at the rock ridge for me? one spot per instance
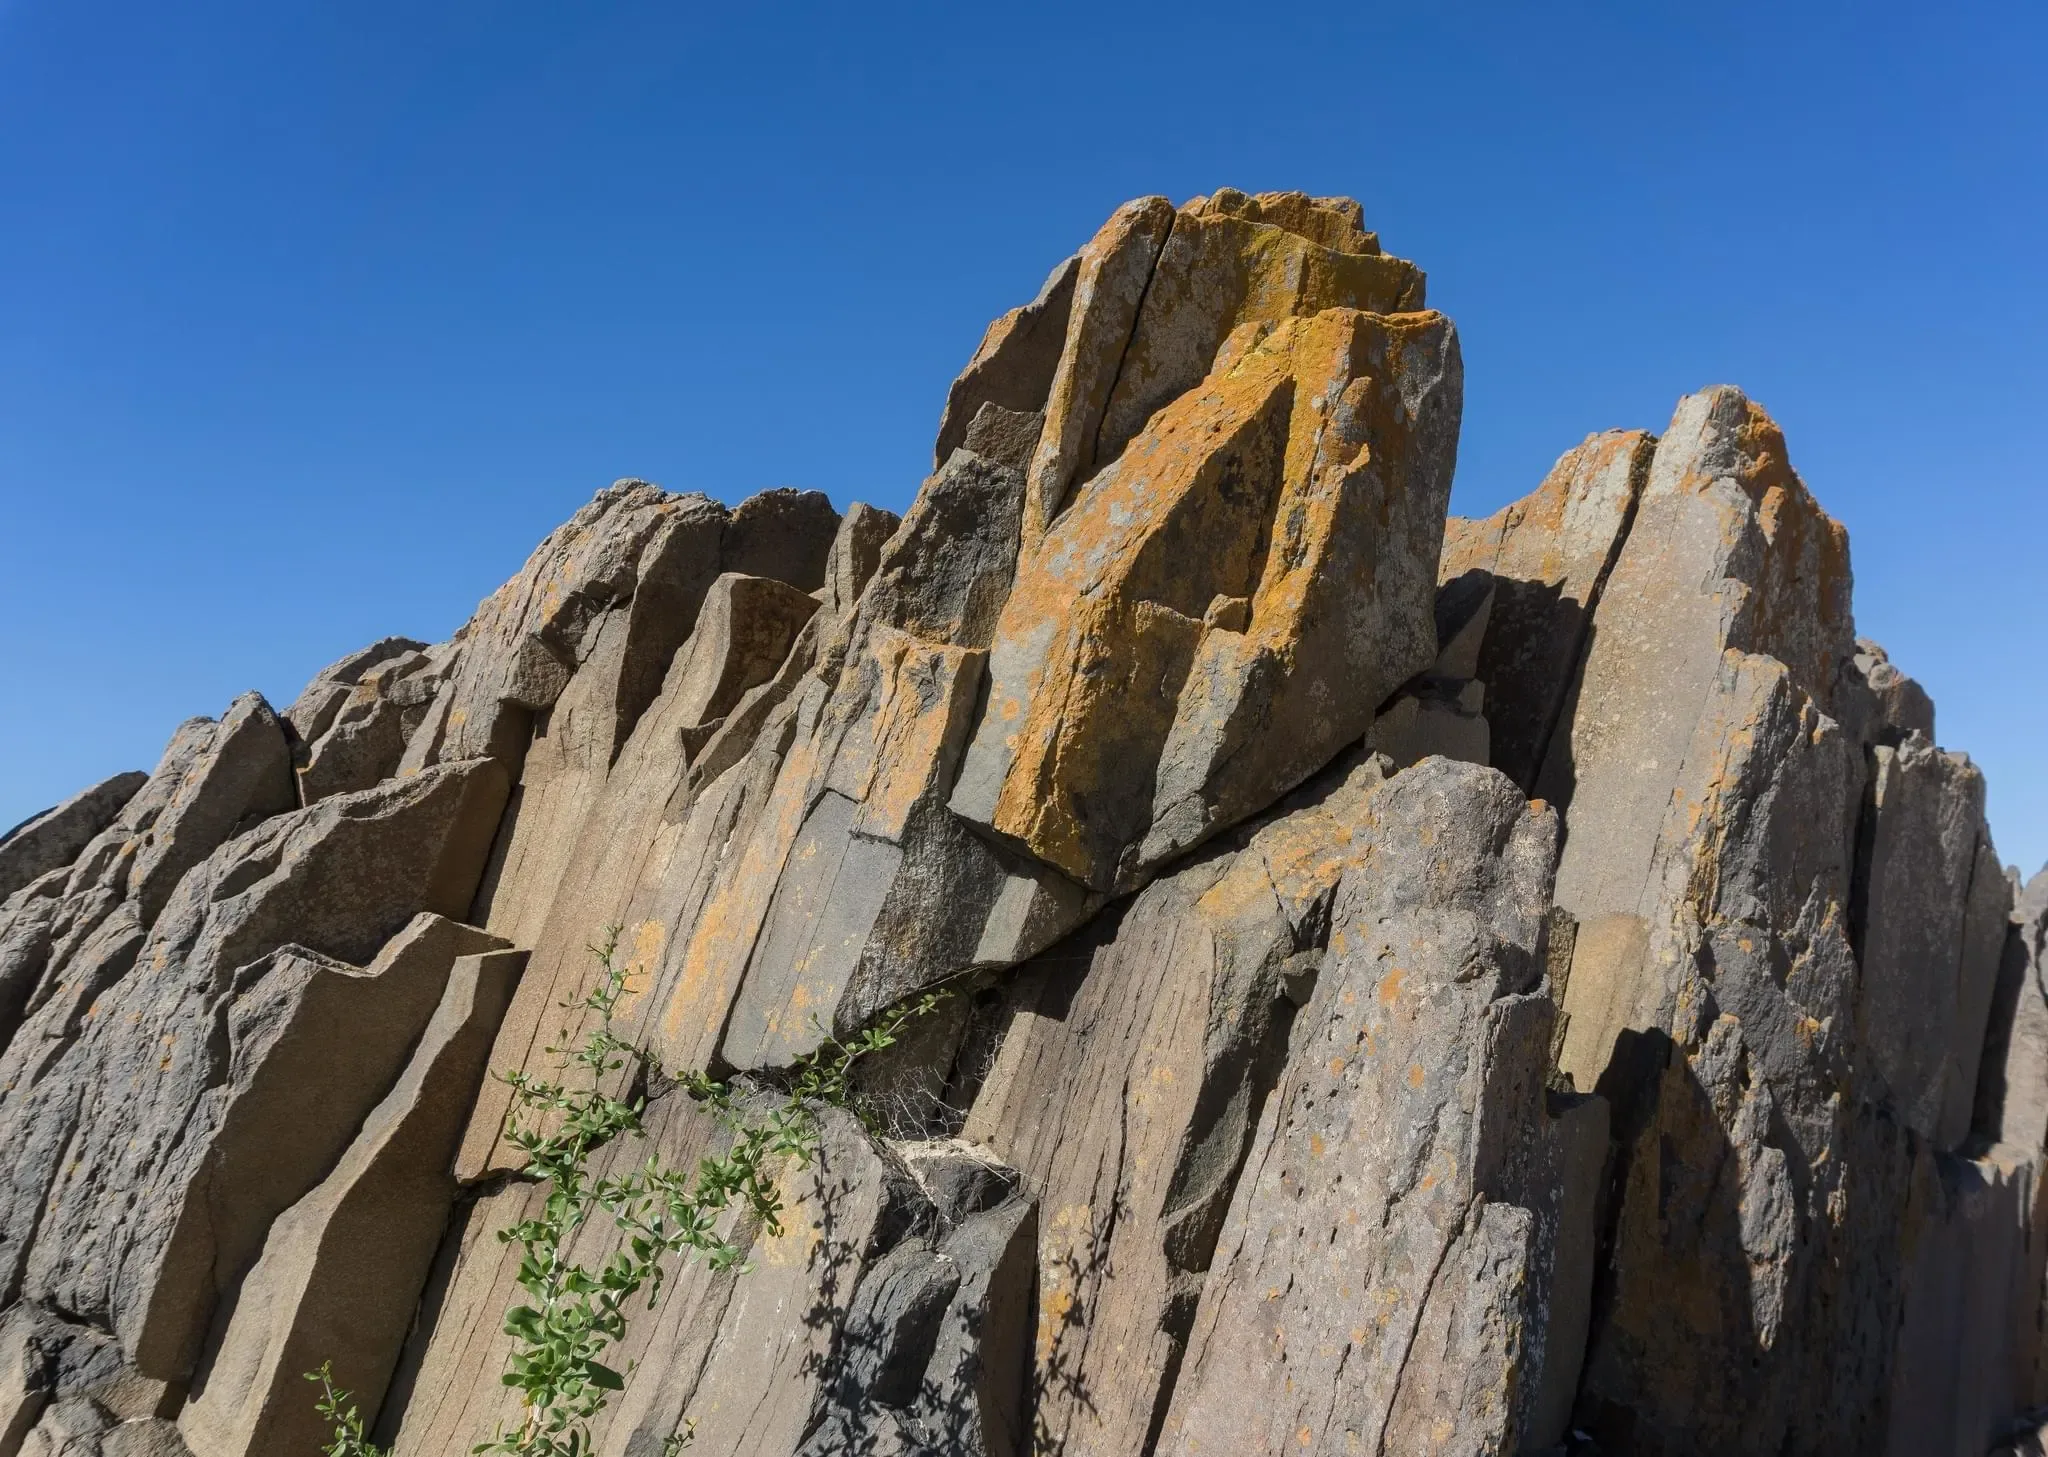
(1522, 987)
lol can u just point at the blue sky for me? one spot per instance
(314, 318)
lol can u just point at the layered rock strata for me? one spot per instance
(1415, 985)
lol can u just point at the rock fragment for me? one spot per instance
(1548, 557)
(51, 840)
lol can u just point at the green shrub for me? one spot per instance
(573, 1314)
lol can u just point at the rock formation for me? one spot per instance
(1503, 987)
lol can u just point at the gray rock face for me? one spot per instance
(1132, 1063)
(1548, 557)
(52, 839)
(634, 549)
(1934, 907)
(868, 1321)
(1899, 705)
(1727, 551)
(119, 1092)
(75, 929)
(1013, 366)
(1381, 1276)
(1971, 1285)
(341, 1270)
(845, 884)
(2012, 1085)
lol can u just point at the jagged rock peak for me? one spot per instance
(1507, 987)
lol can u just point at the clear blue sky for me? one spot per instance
(314, 318)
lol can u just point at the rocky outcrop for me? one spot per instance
(53, 839)
(1414, 985)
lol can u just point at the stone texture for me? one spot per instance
(1380, 1277)
(341, 1270)
(445, 1394)
(118, 1091)
(1133, 1059)
(1123, 725)
(854, 1324)
(1578, 1155)
(1711, 815)
(367, 729)
(1728, 551)
(1930, 932)
(844, 884)
(1548, 557)
(932, 1353)
(1967, 1286)
(45, 1360)
(1019, 353)
(1231, 260)
(744, 632)
(828, 1331)
(313, 712)
(634, 547)
(75, 929)
(1111, 276)
(2012, 1085)
(1433, 716)
(856, 551)
(1899, 705)
(51, 840)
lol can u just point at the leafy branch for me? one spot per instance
(338, 1407)
(574, 1313)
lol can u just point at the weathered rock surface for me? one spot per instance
(1132, 1063)
(133, 1099)
(52, 839)
(1519, 986)
(1222, 608)
(341, 1270)
(1381, 1277)
(1547, 557)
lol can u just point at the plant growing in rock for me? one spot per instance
(574, 1313)
(337, 1406)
